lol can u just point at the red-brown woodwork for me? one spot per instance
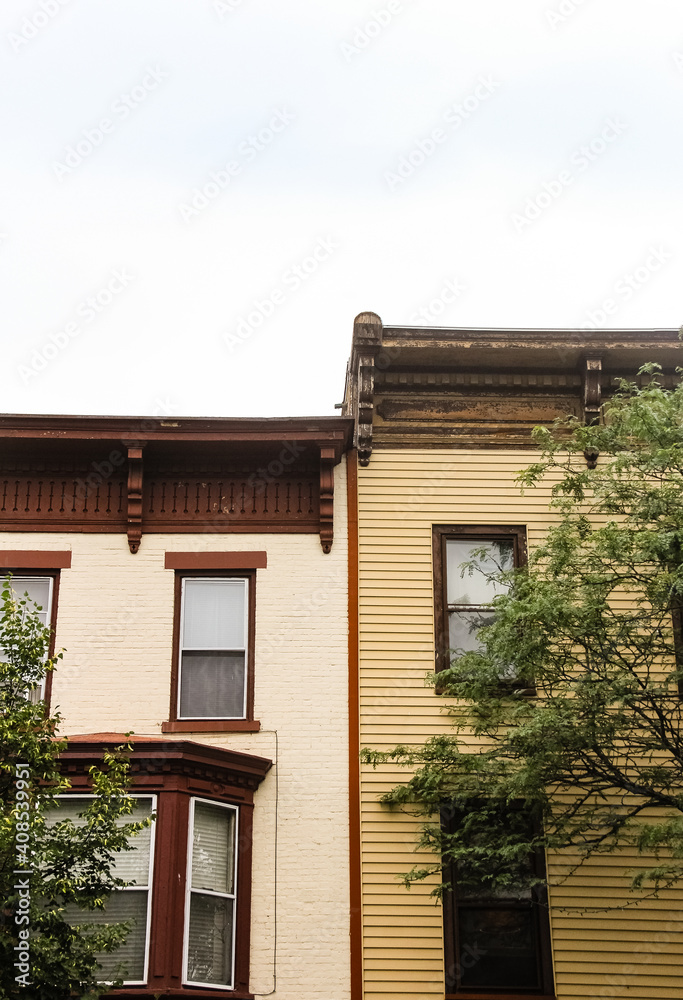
(214, 476)
(134, 519)
(326, 498)
(175, 771)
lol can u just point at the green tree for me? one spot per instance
(573, 698)
(49, 952)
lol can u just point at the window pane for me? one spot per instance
(132, 866)
(128, 961)
(209, 952)
(213, 614)
(213, 848)
(38, 590)
(497, 948)
(474, 588)
(463, 627)
(212, 685)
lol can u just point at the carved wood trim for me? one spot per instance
(134, 498)
(366, 394)
(592, 400)
(367, 342)
(327, 462)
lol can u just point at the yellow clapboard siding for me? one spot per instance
(401, 495)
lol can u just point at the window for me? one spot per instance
(497, 942)
(40, 590)
(214, 629)
(212, 676)
(211, 895)
(131, 903)
(462, 597)
(195, 910)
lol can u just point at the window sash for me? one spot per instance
(21, 585)
(511, 537)
(83, 916)
(459, 585)
(232, 652)
(192, 893)
(527, 917)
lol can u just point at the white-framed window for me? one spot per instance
(131, 903)
(40, 590)
(213, 653)
(211, 895)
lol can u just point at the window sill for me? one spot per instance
(211, 726)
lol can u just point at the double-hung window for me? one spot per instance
(497, 941)
(213, 648)
(193, 914)
(129, 904)
(210, 909)
(40, 591)
(467, 559)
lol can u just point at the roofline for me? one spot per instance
(171, 428)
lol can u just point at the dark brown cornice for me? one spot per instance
(158, 757)
(333, 431)
(442, 387)
(187, 474)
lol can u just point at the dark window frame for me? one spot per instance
(54, 575)
(441, 534)
(176, 772)
(452, 944)
(188, 725)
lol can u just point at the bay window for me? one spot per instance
(211, 894)
(192, 915)
(130, 903)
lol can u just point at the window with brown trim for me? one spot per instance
(462, 595)
(212, 678)
(42, 588)
(197, 939)
(497, 941)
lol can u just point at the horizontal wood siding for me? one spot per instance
(635, 952)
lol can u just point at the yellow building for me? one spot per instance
(443, 423)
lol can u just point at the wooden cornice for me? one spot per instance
(151, 756)
(110, 474)
(417, 387)
(248, 432)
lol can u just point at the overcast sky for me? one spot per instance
(198, 196)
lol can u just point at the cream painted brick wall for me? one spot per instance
(115, 619)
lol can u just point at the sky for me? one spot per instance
(198, 196)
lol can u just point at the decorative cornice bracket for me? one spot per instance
(592, 400)
(328, 461)
(134, 517)
(367, 343)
